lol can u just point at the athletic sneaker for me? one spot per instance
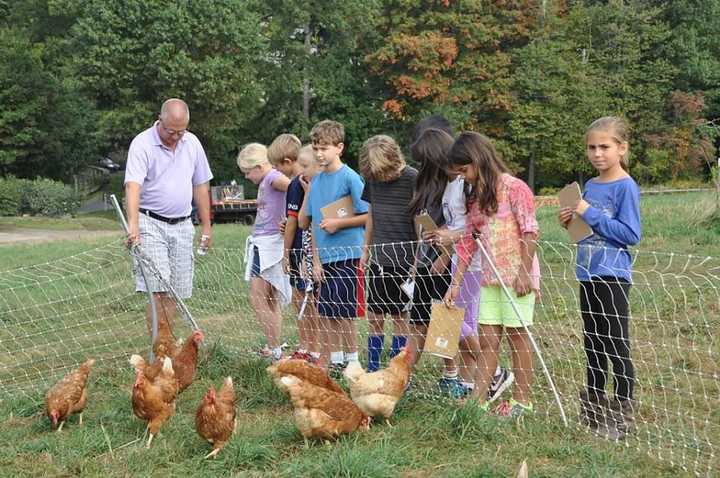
(335, 370)
(297, 355)
(452, 388)
(500, 383)
(512, 409)
(267, 353)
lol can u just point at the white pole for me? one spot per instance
(153, 307)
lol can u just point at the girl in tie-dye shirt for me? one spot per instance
(501, 212)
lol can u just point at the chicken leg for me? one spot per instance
(213, 453)
(80, 422)
(61, 425)
(150, 439)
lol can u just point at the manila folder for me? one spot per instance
(339, 209)
(443, 334)
(577, 228)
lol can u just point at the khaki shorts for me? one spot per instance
(496, 309)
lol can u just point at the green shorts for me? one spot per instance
(495, 309)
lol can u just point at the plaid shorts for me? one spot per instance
(170, 248)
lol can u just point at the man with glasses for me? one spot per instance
(166, 170)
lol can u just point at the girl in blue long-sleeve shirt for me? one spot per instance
(611, 207)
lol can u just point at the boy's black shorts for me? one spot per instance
(427, 288)
(384, 295)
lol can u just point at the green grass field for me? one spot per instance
(63, 301)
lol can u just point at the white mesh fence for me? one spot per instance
(55, 315)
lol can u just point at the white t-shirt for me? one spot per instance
(453, 204)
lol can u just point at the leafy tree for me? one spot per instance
(315, 71)
(45, 124)
(594, 61)
(452, 57)
(695, 47)
(557, 97)
(130, 55)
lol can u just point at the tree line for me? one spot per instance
(79, 78)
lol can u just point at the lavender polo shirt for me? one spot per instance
(166, 177)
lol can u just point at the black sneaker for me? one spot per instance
(500, 383)
(335, 370)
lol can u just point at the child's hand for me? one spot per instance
(304, 182)
(444, 237)
(330, 225)
(318, 273)
(438, 266)
(429, 236)
(286, 263)
(282, 225)
(581, 207)
(451, 295)
(523, 284)
(565, 215)
(364, 257)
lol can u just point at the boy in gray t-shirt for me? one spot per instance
(389, 236)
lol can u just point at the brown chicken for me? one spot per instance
(215, 418)
(164, 344)
(377, 393)
(185, 361)
(154, 400)
(304, 371)
(68, 396)
(322, 413)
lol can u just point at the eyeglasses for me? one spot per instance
(172, 132)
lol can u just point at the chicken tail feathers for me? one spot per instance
(289, 381)
(137, 361)
(353, 371)
(167, 367)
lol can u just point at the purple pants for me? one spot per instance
(469, 299)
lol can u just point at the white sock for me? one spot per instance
(451, 375)
(315, 355)
(352, 357)
(498, 371)
(337, 357)
(277, 353)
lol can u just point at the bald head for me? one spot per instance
(175, 110)
(174, 119)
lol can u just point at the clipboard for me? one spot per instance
(577, 228)
(425, 223)
(340, 209)
(443, 335)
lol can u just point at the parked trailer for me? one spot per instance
(228, 204)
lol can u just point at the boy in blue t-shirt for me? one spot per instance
(337, 242)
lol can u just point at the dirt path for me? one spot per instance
(15, 236)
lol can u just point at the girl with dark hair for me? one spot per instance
(432, 276)
(501, 209)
